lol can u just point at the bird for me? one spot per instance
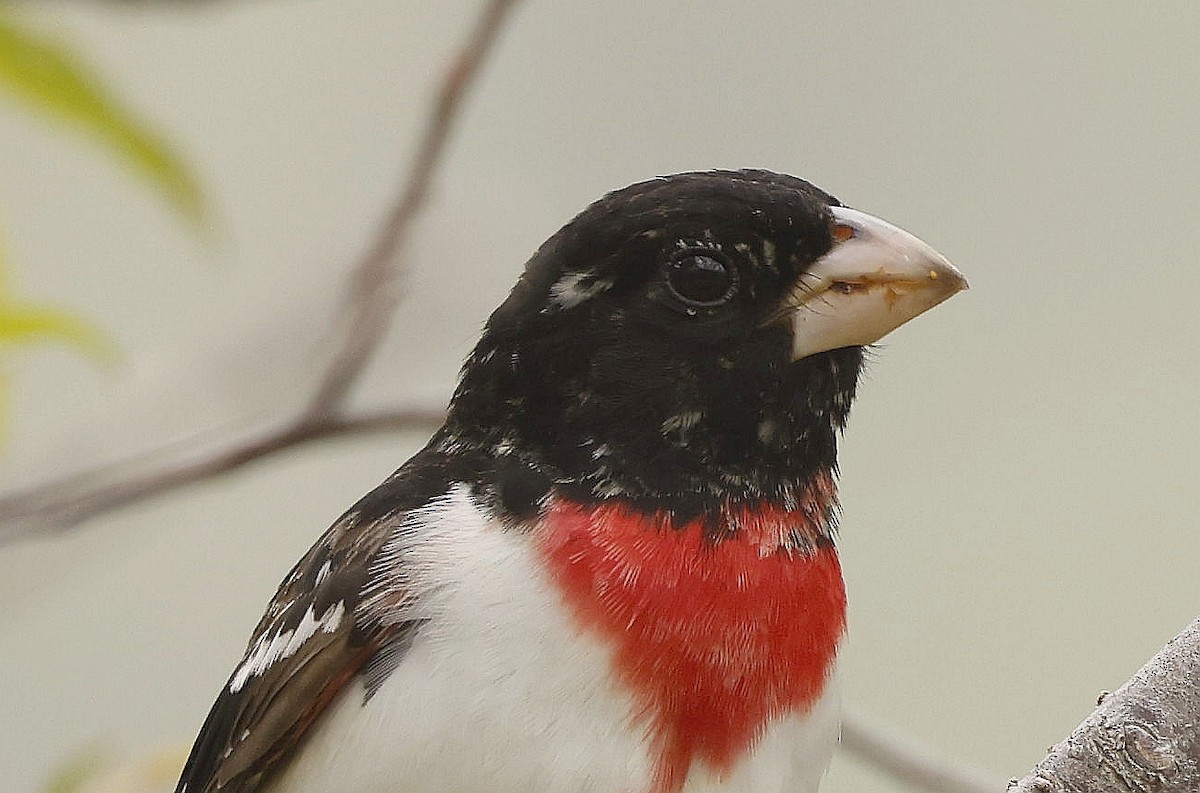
(613, 568)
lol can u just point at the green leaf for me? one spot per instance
(24, 323)
(48, 77)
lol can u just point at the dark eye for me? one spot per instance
(701, 279)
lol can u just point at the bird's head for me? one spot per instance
(694, 339)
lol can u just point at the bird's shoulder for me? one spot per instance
(335, 617)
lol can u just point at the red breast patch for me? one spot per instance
(715, 638)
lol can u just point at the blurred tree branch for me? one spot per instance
(366, 314)
(882, 746)
(373, 293)
(63, 503)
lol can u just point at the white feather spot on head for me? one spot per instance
(706, 242)
(575, 288)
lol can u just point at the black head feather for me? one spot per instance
(640, 356)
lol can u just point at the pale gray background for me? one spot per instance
(1018, 475)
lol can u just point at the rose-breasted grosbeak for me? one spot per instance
(612, 570)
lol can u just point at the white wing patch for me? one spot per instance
(323, 573)
(273, 647)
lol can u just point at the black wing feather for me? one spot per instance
(256, 725)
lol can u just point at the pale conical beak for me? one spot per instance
(876, 278)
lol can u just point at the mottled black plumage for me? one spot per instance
(619, 388)
(643, 355)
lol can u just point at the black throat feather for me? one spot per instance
(686, 433)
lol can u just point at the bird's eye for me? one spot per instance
(700, 279)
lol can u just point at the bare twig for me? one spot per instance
(373, 293)
(368, 310)
(62, 503)
(1141, 738)
(903, 760)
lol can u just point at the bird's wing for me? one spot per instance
(312, 641)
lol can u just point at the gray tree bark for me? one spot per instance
(1143, 738)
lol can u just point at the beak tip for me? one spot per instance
(910, 275)
(952, 280)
